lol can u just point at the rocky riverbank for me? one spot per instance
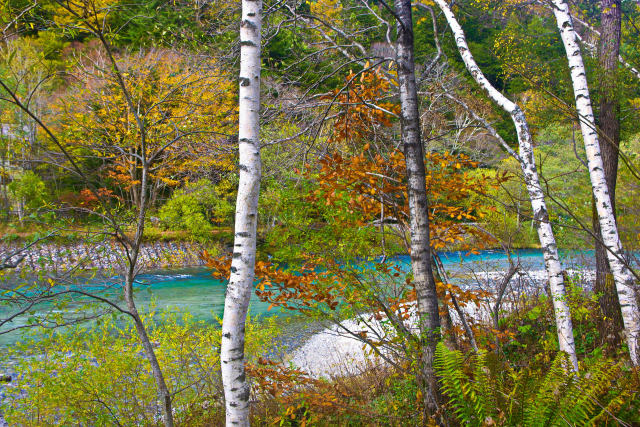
(102, 255)
(338, 350)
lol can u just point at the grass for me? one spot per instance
(76, 233)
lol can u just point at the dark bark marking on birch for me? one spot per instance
(248, 24)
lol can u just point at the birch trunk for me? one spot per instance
(423, 279)
(534, 189)
(236, 387)
(622, 276)
(610, 323)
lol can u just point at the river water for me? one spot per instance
(193, 290)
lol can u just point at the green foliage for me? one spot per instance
(192, 208)
(401, 396)
(585, 311)
(533, 328)
(99, 376)
(28, 188)
(526, 48)
(305, 226)
(566, 182)
(483, 390)
(155, 22)
(628, 193)
(511, 219)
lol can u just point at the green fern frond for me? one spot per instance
(558, 397)
(455, 385)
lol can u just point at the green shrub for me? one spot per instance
(193, 208)
(98, 375)
(29, 190)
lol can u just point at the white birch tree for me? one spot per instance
(623, 277)
(240, 287)
(527, 162)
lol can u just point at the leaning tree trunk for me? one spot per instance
(536, 195)
(236, 387)
(130, 272)
(423, 279)
(611, 324)
(164, 395)
(622, 276)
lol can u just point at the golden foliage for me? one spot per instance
(173, 114)
(362, 183)
(363, 106)
(86, 15)
(329, 10)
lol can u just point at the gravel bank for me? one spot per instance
(334, 352)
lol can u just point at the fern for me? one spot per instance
(479, 395)
(468, 398)
(552, 403)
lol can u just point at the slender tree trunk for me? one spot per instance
(133, 176)
(163, 391)
(609, 231)
(502, 288)
(21, 210)
(236, 387)
(4, 178)
(131, 247)
(418, 203)
(463, 318)
(536, 195)
(611, 324)
(446, 322)
(155, 189)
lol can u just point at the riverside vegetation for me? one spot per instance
(297, 149)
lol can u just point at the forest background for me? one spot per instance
(119, 124)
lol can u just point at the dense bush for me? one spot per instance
(99, 376)
(194, 207)
(29, 190)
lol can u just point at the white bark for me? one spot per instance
(534, 189)
(236, 387)
(590, 45)
(621, 60)
(621, 274)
